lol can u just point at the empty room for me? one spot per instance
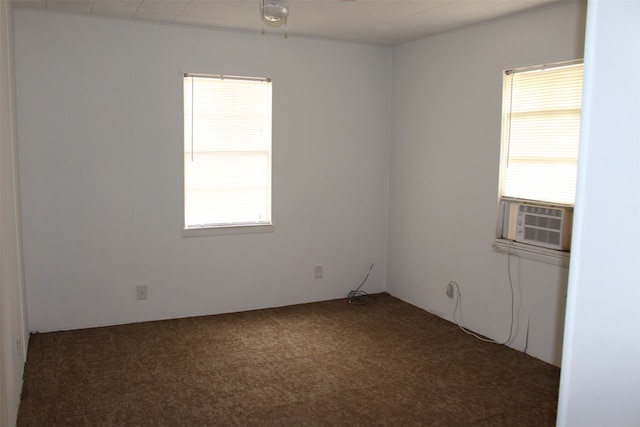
(305, 212)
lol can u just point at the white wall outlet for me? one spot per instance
(318, 272)
(141, 292)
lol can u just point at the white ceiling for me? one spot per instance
(382, 22)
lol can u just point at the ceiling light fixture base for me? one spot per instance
(274, 13)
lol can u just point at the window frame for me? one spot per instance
(507, 125)
(503, 244)
(223, 228)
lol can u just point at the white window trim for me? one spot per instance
(225, 230)
(535, 72)
(216, 230)
(534, 253)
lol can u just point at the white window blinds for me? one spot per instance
(227, 151)
(541, 133)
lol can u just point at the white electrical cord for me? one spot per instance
(458, 295)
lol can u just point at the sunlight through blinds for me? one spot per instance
(227, 151)
(541, 133)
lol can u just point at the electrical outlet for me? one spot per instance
(450, 289)
(318, 272)
(141, 292)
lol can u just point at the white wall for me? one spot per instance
(446, 109)
(100, 138)
(600, 382)
(13, 327)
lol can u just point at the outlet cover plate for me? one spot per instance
(141, 292)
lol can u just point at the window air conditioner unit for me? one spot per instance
(548, 227)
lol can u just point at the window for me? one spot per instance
(541, 110)
(227, 151)
(541, 133)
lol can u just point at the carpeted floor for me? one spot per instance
(327, 363)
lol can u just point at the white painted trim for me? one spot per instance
(534, 253)
(228, 230)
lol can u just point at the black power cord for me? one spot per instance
(359, 297)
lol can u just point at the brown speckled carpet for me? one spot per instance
(322, 364)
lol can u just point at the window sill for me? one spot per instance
(228, 230)
(534, 253)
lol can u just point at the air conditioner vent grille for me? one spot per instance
(539, 210)
(542, 236)
(543, 226)
(543, 221)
